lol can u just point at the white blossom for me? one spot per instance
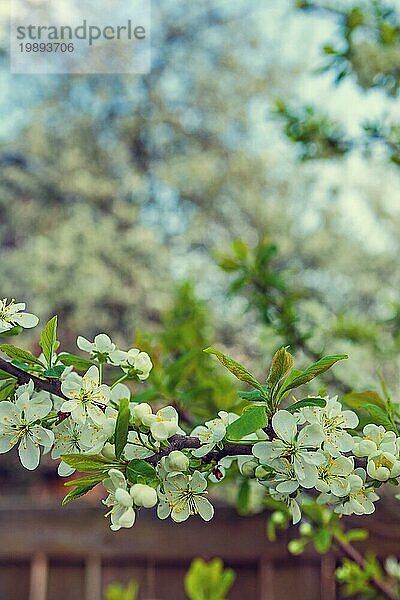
(12, 314)
(20, 424)
(209, 435)
(137, 446)
(163, 424)
(294, 445)
(184, 496)
(100, 348)
(121, 501)
(333, 421)
(333, 475)
(133, 359)
(359, 500)
(375, 437)
(87, 396)
(383, 465)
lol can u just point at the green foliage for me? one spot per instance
(253, 418)
(356, 581)
(116, 591)
(88, 462)
(48, 341)
(71, 360)
(21, 356)
(121, 428)
(236, 369)
(140, 471)
(208, 581)
(7, 389)
(368, 45)
(183, 374)
(317, 135)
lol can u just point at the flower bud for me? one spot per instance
(248, 468)
(305, 529)
(141, 410)
(261, 472)
(176, 461)
(278, 518)
(109, 451)
(143, 495)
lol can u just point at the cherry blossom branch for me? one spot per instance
(353, 554)
(180, 442)
(53, 386)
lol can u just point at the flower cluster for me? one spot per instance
(145, 459)
(313, 448)
(12, 314)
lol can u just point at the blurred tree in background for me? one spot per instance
(112, 187)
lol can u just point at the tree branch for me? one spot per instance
(353, 554)
(53, 386)
(180, 442)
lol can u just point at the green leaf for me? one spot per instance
(254, 395)
(7, 389)
(121, 428)
(358, 400)
(241, 249)
(54, 372)
(243, 497)
(20, 355)
(356, 535)
(12, 332)
(71, 360)
(281, 363)
(86, 480)
(380, 417)
(320, 402)
(140, 468)
(77, 492)
(252, 419)
(322, 540)
(311, 372)
(5, 375)
(88, 462)
(48, 340)
(236, 369)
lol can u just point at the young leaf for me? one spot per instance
(311, 372)
(252, 419)
(7, 389)
(322, 540)
(71, 360)
(320, 402)
(77, 492)
(254, 395)
(380, 417)
(88, 462)
(236, 369)
(86, 480)
(243, 497)
(281, 363)
(20, 355)
(5, 375)
(121, 428)
(140, 468)
(358, 400)
(54, 372)
(48, 340)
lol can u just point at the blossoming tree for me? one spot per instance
(81, 411)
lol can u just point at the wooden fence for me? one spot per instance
(49, 553)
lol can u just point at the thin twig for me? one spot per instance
(53, 386)
(349, 551)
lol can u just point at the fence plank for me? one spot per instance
(38, 577)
